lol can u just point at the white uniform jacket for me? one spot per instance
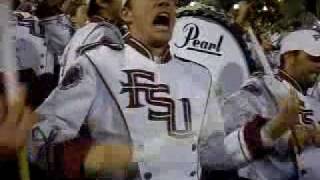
(157, 104)
(244, 113)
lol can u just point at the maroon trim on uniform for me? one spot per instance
(138, 46)
(166, 55)
(252, 137)
(141, 48)
(70, 157)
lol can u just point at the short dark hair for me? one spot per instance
(93, 8)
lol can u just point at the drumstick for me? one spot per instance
(259, 50)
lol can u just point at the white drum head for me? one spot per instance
(209, 43)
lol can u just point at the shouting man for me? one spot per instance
(140, 100)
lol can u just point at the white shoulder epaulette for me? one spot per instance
(115, 42)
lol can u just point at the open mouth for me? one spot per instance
(162, 21)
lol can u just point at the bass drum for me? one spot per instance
(205, 37)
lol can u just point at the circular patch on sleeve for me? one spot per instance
(72, 77)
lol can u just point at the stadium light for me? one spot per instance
(236, 6)
(265, 8)
(193, 3)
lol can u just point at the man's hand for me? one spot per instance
(286, 119)
(15, 125)
(316, 137)
(306, 136)
(107, 159)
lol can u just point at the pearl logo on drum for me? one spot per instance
(193, 43)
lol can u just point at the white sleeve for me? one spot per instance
(230, 138)
(65, 110)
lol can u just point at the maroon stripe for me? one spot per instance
(141, 50)
(252, 137)
(70, 157)
(145, 51)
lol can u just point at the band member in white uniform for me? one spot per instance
(141, 97)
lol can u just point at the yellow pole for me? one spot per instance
(23, 164)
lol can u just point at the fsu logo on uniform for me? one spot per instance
(306, 115)
(150, 91)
